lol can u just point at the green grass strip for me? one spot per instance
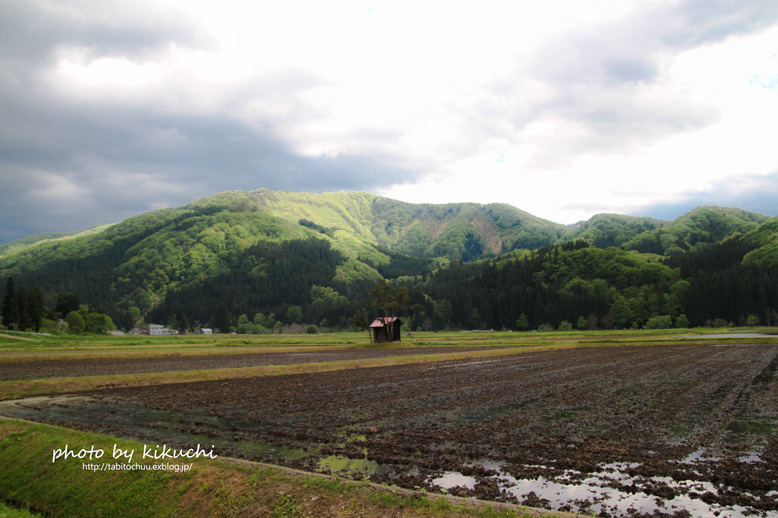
(30, 480)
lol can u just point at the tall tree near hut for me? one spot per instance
(360, 319)
(391, 300)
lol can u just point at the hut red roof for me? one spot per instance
(381, 322)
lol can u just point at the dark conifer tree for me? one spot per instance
(10, 305)
(181, 323)
(22, 303)
(37, 308)
(222, 320)
(67, 302)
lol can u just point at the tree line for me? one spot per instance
(23, 309)
(581, 286)
(278, 285)
(570, 286)
(26, 310)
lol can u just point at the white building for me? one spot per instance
(159, 330)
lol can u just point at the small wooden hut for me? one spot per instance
(382, 327)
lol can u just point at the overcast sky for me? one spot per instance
(564, 109)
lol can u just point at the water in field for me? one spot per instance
(596, 495)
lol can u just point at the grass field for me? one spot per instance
(31, 483)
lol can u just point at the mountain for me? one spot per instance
(268, 251)
(145, 261)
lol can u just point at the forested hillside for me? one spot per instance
(580, 286)
(695, 230)
(273, 258)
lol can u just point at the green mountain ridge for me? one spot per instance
(203, 252)
(20, 244)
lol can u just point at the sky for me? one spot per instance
(562, 108)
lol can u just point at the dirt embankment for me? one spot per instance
(115, 366)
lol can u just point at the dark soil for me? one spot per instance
(679, 428)
(108, 366)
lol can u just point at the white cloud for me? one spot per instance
(595, 146)
(54, 188)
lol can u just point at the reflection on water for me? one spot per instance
(452, 479)
(338, 464)
(596, 493)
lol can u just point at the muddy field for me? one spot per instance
(21, 370)
(613, 431)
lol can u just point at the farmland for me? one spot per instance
(612, 424)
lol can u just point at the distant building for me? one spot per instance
(206, 331)
(380, 329)
(159, 330)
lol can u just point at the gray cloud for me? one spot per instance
(124, 162)
(67, 164)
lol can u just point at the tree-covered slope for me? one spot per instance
(604, 287)
(734, 278)
(764, 241)
(604, 230)
(455, 231)
(695, 229)
(463, 231)
(733, 281)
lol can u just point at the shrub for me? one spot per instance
(312, 329)
(681, 322)
(659, 322)
(75, 322)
